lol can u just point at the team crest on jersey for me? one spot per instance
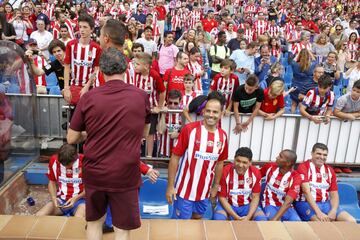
(308, 212)
(325, 175)
(249, 180)
(210, 143)
(285, 184)
(69, 171)
(218, 144)
(77, 170)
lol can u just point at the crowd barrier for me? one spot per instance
(265, 138)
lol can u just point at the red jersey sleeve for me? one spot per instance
(214, 82)
(144, 168)
(225, 152)
(51, 175)
(98, 54)
(257, 184)
(281, 102)
(333, 183)
(223, 187)
(294, 189)
(160, 87)
(67, 59)
(166, 76)
(183, 141)
(236, 81)
(264, 168)
(303, 171)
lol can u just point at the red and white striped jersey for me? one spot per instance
(297, 47)
(222, 3)
(92, 11)
(225, 86)
(250, 9)
(99, 81)
(195, 69)
(200, 150)
(195, 16)
(23, 79)
(82, 60)
(173, 124)
(353, 49)
(260, 26)
(279, 185)
(318, 105)
(56, 30)
(273, 31)
(176, 22)
(262, 10)
(321, 180)
(276, 52)
(187, 98)
(237, 189)
(293, 35)
(152, 85)
(68, 179)
(40, 62)
(115, 11)
(288, 29)
(248, 32)
(49, 11)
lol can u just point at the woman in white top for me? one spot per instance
(20, 27)
(230, 33)
(353, 74)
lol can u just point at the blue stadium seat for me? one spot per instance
(51, 81)
(54, 90)
(349, 200)
(288, 76)
(13, 89)
(337, 91)
(153, 194)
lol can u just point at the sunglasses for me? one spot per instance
(173, 103)
(338, 29)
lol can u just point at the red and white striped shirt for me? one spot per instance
(273, 30)
(288, 29)
(82, 60)
(56, 30)
(225, 86)
(68, 179)
(187, 98)
(321, 180)
(276, 52)
(293, 35)
(279, 185)
(248, 32)
(353, 49)
(200, 150)
(250, 9)
(176, 22)
(195, 69)
(315, 104)
(173, 124)
(260, 27)
(296, 48)
(237, 189)
(152, 85)
(222, 3)
(195, 16)
(40, 62)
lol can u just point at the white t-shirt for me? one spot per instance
(43, 39)
(149, 46)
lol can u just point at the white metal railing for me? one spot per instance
(265, 138)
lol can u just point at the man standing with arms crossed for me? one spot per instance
(201, 149)
(115, 117)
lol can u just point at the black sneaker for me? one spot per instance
(107, 229)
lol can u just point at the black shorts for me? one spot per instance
(124, 207)
(153, 123)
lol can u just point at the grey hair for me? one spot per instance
(112, 61)
(304, 34)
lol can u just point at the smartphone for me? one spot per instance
(323, 118)
(35, 52)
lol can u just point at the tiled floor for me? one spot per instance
(31, 227)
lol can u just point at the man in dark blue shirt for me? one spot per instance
(234, 44)
(139, 15)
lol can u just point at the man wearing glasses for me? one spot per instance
(338, 35)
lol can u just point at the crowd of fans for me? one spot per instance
(266, 58)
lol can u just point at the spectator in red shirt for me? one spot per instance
(209, 23)
(161, 15)
(174, 77)
(273, 105)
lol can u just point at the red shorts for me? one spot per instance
(124, 207)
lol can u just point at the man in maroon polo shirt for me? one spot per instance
(115, 117)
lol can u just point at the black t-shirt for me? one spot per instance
(233, 44)
(247, 101)
(56, 67)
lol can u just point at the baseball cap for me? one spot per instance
(32, 41)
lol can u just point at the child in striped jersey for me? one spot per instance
(65, 186)
(190, 94)
(239, 193)
(226, 82)
(170, 123)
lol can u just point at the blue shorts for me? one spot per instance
(71, 211)
(242, 211)
(289, 215)
(183, 209)
(306, 212)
